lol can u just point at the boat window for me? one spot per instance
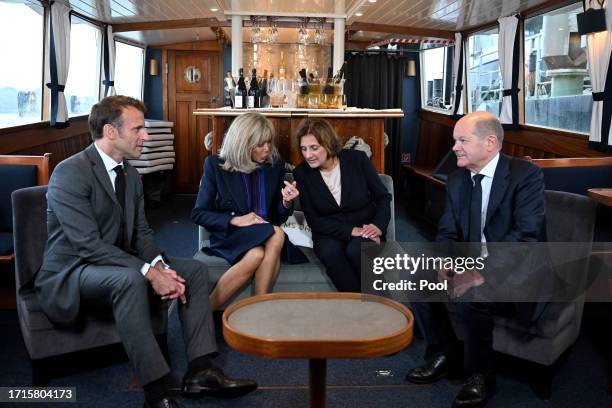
(21, 52)
(557, 83)
(484, 83)
(128, 69)
(83, 84)
(437, 75)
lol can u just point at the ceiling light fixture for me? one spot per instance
(359, 14)
(371, 1)
(214, 9)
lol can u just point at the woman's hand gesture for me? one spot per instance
(289, 193)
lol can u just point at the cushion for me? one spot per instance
(13, 178)
(577, 179)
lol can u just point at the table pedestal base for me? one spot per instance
(317, 378)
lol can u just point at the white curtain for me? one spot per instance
(59, 61)
(108, 73)
(599, 47)
(458, 64)
(509, 40)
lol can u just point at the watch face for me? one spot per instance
(192, 74)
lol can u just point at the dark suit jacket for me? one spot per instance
(515, 213)
(364, 199)
(83, 223)
(222, 196)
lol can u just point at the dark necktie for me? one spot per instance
(120, 192)
(120, 186)
(475, 234)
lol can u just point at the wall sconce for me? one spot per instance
(153, 67)
(411, 68)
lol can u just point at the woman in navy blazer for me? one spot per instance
(241, 202)
(344, 201)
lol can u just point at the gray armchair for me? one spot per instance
(41, 337)
(569, 218)
(307, 277)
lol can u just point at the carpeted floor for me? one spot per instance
(580, 381)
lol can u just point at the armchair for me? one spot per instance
(42, 338)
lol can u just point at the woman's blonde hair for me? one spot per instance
(246, 132)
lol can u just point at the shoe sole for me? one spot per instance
(228, 393)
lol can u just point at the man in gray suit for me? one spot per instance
(101, 253)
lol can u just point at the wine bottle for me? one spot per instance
(253, 97)
(264, 99)
(230, 85)
(302, 97)
(281, 67)
(241, 91)
(329, 87)
(340, 73)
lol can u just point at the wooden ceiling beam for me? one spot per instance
(392, 29)
(170, 24)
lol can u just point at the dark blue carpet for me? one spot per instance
(579, 382)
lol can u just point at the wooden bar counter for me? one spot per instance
(369, 124)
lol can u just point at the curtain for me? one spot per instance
(108, 79)
(59, 61)
(509, 63)
(599, 47)
(375, 81)
(458, 62)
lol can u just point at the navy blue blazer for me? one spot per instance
(222, 196)
(364, 198)
(516, 212)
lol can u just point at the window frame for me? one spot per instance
(144, 60)
(445, 74)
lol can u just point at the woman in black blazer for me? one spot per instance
(241, 202)
(344, 201)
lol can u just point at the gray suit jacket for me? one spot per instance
(83, 223)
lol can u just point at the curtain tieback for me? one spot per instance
(511, 92)
(601, 96)
(108, 83)
(55, 87)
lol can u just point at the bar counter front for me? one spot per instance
(368, 124)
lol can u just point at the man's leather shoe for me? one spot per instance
(434, 369)
(476, 391)
(164, 403)
(212, 382)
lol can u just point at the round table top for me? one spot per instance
(318, 325)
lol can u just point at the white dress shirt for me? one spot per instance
(488, 172)
(109, 165)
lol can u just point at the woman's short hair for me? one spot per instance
(247, 131)
(323, 131)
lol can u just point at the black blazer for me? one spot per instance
(364, 198)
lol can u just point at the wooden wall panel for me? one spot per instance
(40, 138)
(436, 135)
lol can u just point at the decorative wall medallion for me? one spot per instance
(192, 74)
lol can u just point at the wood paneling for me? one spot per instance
(415, 31)
(183, 99)
(436, 135)
(39, 138)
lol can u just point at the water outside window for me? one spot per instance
(21, 27)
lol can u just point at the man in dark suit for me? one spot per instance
(491, 198)
(101, 254)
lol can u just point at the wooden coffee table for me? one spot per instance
(317, 326)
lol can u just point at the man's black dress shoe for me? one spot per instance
(434, 369)
(476, 391)
(214, 383)
(164, 403)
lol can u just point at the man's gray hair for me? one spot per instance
(246, 132)
(484, 127)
